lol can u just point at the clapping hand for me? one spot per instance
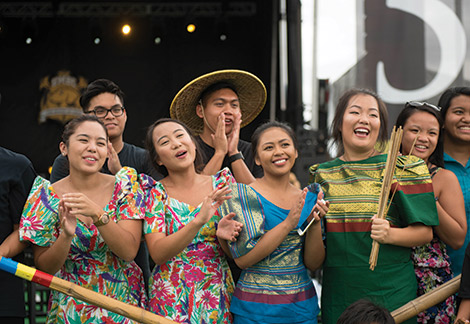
(68, 221)
(114, 164)
(234, 136)
(80, 204)
(219, 139)
(228, 228)
(211, 202)
(294, 214)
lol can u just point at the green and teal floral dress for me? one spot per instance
(196, 285)
(90, 263)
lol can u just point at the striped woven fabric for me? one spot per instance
(353, 190)
(277, 288)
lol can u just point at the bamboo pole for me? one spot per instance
(427, 300)
(390, 164)
(89, 296)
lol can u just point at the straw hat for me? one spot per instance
(251, 93)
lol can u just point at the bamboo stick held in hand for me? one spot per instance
(393, 152)
(89, 296)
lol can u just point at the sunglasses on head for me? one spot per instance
(418, 104)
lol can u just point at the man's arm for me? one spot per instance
(241, 173)
(17, 196)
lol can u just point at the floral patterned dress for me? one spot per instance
(196, 285)
(432, 269)
(90, 263)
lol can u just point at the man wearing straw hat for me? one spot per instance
(215, 106)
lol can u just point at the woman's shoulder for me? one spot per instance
(43, 192)
(411, 165)
(443, 175)
(42, 185)
(318, 166)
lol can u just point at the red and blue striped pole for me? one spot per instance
(81, 293)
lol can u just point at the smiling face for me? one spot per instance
(361, 124)
(114, 125)
(224, 101)
(457, 120)
(173, 145)
(424, 128)
(87, 147)
(275, 152)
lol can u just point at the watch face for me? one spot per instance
(105, 218)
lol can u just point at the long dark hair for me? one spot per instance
(339, 114)
(153, 155)
(437, 157)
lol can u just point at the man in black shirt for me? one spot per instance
(105, 99)
(215, 106)
(16, 179)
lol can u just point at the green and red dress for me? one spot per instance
(353, 190)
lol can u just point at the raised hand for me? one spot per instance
(234, 136)
(293, 217)
(114, 165)
(219, 139)
(212, 202)
(68, 221)
(80, 204)
(228, 228)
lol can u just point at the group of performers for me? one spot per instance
(215, 205)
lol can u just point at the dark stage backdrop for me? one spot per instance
(149, 74)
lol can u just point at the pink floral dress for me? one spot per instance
(90, 263)
(432, 269)
(196, 285)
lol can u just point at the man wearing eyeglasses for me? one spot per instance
(104, 99)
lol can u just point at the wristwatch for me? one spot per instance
(103, 220)
(236, 156)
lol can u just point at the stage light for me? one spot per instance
(96, 32)
(158, 31)
(191, 28)
(29, 30)
(221, 29)
(126, 29)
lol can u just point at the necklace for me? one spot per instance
(343, 157)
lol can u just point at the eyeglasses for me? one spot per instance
(103, 112)
(418, 104)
